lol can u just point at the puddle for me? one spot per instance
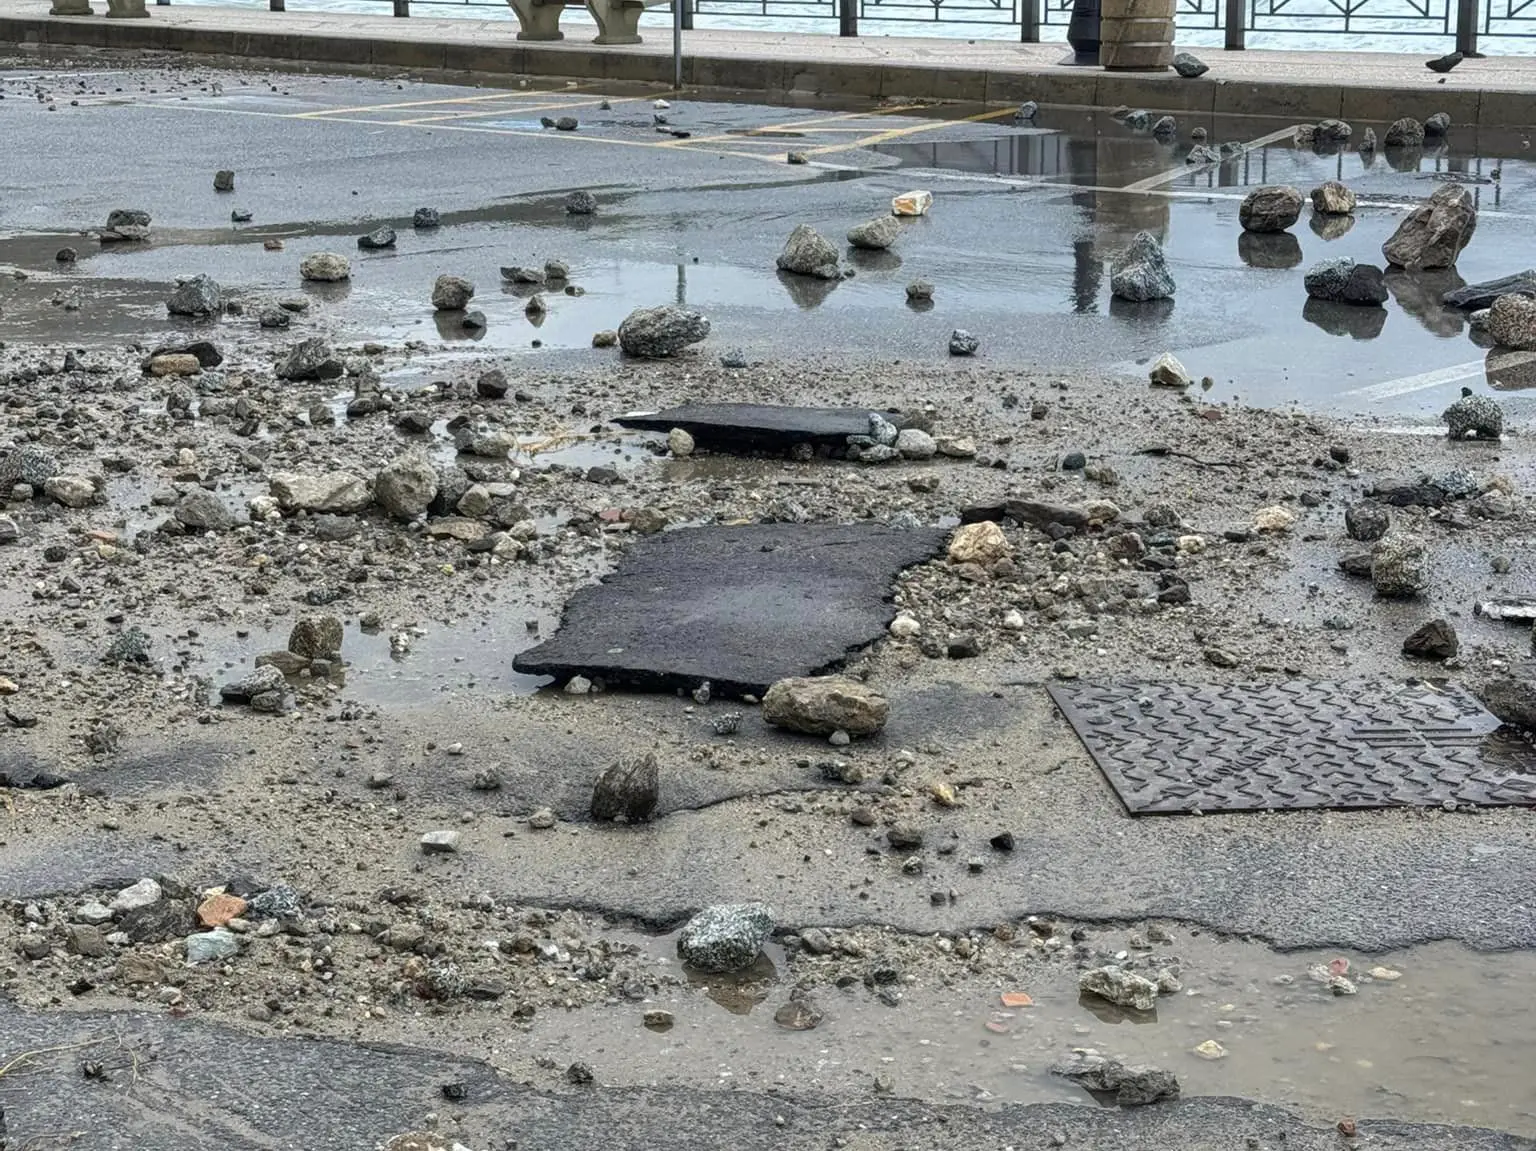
(469, 655)
(1452, 1040)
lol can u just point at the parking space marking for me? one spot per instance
(1405, 385)
(501, 111)
(909, 130)
(1168, 177)
(815, 122)
(324, 112)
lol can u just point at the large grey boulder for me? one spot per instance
(1140, 272)
(406, 486)
(822, 705)
(325, 268)
(451, 293)
(1343, 281)
(1331, 198)
(1400, 566)
(1272, 208)
(1475, 297)
(1512, 323)
(627, 789)
(1472, 415)
(1435, 232)
(808, 253)
(875, 235)
(336, 492)
(203, 511)
(200, 296)
(1404, 133)
(727, 937)
(656, 333)
(312, 359)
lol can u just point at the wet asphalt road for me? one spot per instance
(1024, 221)
(186, 1086)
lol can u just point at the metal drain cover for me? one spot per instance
(1172, 747)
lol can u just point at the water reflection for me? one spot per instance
(1403, 159)
(450, 326)
(1510, 371)
(1107, 1012)
(1419, 294)
(807, 291)
(1145, 313)
(867, 261)
(740, 991)
(1344, 319)
(1331, 227)
(1269, 249)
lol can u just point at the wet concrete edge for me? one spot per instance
(183, 1084)
(768, 79)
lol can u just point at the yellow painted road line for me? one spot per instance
(324, 112)
(909, 130)
(503, 111)
(1163, 178)
(813, 122)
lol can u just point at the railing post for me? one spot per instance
(278, 5)
(1237, 25)
(402, 7)
(847, 18)
(687, 15)
(1466, 27)
(1029, 22)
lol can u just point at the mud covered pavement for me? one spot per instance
(281, 818)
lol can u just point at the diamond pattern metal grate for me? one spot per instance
(1170, 748)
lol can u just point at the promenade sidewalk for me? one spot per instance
(774, 67)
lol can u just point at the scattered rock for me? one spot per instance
(260, 681)
(680, 443)
(312, 359)
(1332, 198)
(1472, 415)
(1438, 125)
(325, 268)
(1140, 272)
(963, 343)
(875, 235)
(1435, 640)
(1165, 128)
(1189, 66)
(725, 938)
(126, 225)
(377, 239)
(1131, 1086)
(70, 490)
(1400, 566)
(1120, 987)
(581, 203)
(1435, 232)
(1366, 521)
(440, 843)
(451, 293)
(980, 543)
(1479, 296)
(1342, 281)
(823, 705)
(627, 789)
(1512, 323)
(916, 444)
(808, 253)
(1445, 63)
(203, 511)
(492, 385)
(426, 218)
(198, 297)
(1404, 133)
(406, 487)
(336, 492)
(209, 946)
(920, 291)
(316, 637)
(1272, 208)
(656, 333)
(1167, 372)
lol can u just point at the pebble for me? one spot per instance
(542, 820)
(440, 843)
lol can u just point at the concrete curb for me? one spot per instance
(775, 79)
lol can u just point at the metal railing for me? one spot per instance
(1467, 20)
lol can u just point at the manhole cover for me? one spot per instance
(1170, 747)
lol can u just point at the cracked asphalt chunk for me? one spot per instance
(759, 427)
(735, 607)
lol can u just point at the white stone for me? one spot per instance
(142, 894)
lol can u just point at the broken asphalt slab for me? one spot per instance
(759, 427)
(737, 607)
(166, 1083)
